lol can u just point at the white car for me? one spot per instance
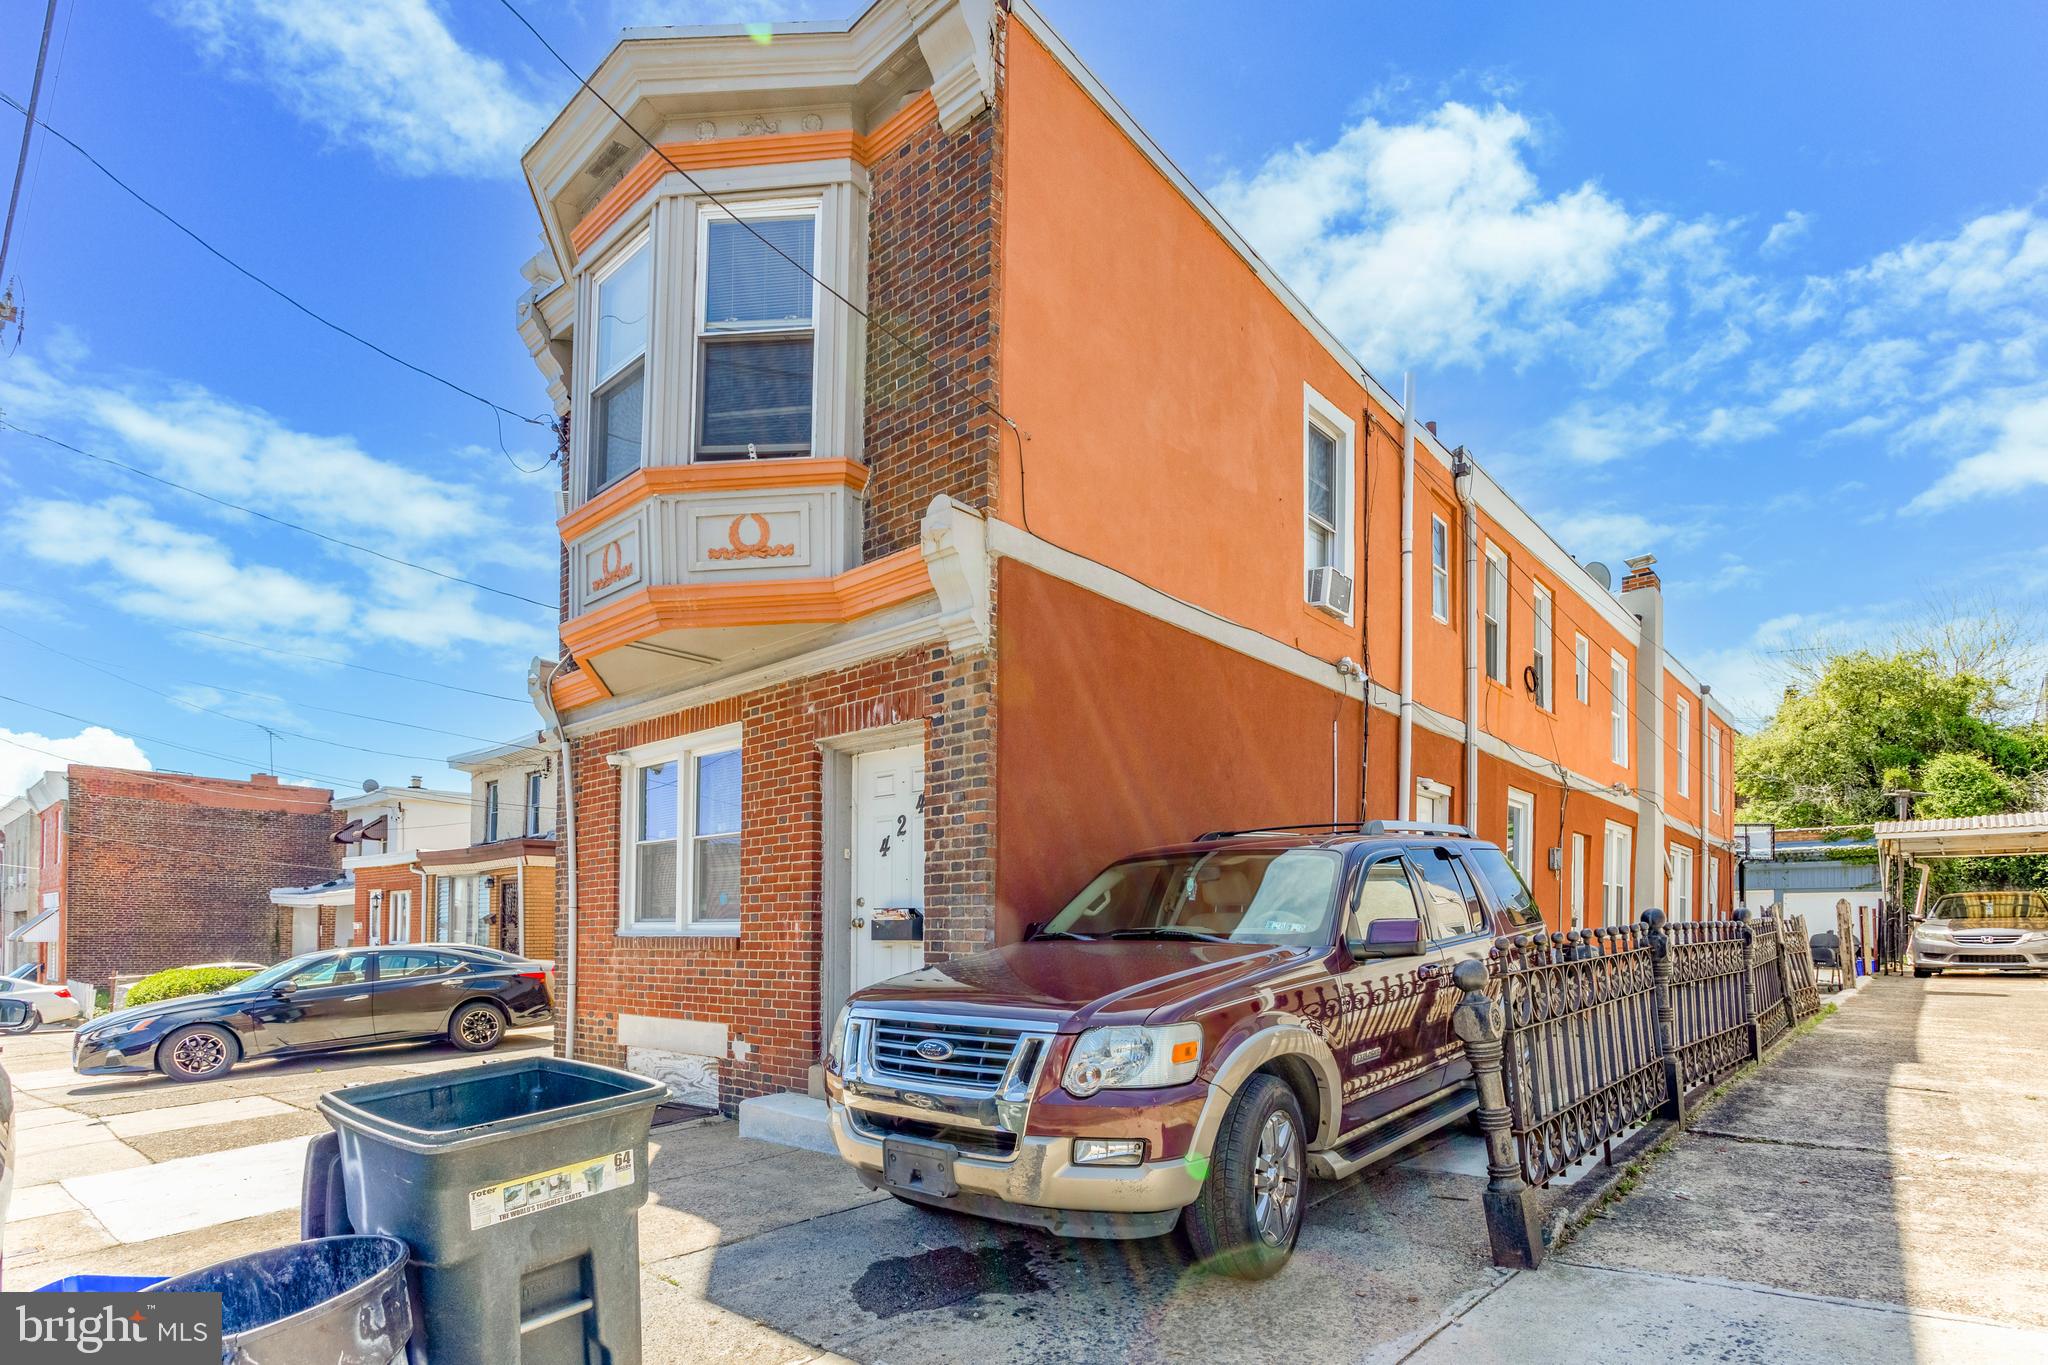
(47, 1004)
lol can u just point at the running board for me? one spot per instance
(1381, 1143)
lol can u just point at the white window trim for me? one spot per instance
(1711, 893)
(1683, 731)
(401, 917)
(1428, 789)
(1578, 879)
(1617, 707)
(1524, 858)
(1679, 878)
(630, 762)
(1622, 877)
(1439, 572)
(1493, 556)
(1543, 644)
(707, 214)
(615, 257)
(1582, 669)
(1319, 412)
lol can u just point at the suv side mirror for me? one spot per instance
(1388, 938)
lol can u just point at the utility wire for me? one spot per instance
(279, 521)
(28, 128)
(498, 409)
(344, 663)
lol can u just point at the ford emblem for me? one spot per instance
(935, 1049)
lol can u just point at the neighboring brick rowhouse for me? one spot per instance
(166, 869)
(933, 224)
(763, 986)
(389, 881)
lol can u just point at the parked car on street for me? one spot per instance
(339, 998)
(1199, 1030)
(51, 1004)
(1993, 931)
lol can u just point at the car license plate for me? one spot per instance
(919, 1167)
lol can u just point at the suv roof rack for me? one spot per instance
(1369, 827)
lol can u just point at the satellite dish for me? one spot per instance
(1602, 575)
(371, 784)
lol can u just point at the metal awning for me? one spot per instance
(41, 929)
(2005, 835)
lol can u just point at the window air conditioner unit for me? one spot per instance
(1330, 589)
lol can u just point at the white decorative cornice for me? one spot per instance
(958, 46)
(954, 542)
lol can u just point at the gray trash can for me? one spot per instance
(339, 1301)
(518, 1187)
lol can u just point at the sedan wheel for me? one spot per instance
(198, 1054)
(477, 1028)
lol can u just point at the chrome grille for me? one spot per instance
(981, 1053)
(1990, 936)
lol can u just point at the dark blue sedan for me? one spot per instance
(344, 997)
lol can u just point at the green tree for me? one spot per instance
(1960, 784)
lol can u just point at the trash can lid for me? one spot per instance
(484, 1103)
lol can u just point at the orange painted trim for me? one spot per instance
(579, 689)
(897, 129)
(735, 476)
(884, 582)
(775, 149)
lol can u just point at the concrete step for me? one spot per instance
(788, 1118)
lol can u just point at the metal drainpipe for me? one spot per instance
(1462, 476)
(1706, 806)
(1404, 767)
(544, 698)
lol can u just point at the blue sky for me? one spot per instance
(1761, 289)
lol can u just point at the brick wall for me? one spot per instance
(763, 986)
(389, 880)
(932, 246)
(163, 870)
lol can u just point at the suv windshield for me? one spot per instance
(2005, 909)
(1283, 897)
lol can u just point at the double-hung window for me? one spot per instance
(532, 813)
(1684, 747)
(1521, 840)
(1714, 767)
(682, 812)
(1582, 669)
(490, 812)
(1679, 899)
(756, 331)
(1545, 646)
(1322, 499)
(1617, 710)
(618, 382)
(1496, 615)
(1440, 569)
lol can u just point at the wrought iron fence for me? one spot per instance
(1576, 1039)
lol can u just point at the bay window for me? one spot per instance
(756, 331)
(682, 813)
(618, 381)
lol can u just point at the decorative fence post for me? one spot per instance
(1785, 972)
(1511, 1222)
(1756, 1033)
(1663, 1000)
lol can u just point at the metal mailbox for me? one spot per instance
(897, 924)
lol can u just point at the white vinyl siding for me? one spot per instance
(1543, 647)
(1683, 726)
(1496, 615)
(681, 815)
(1617, 682)
(1439, 569)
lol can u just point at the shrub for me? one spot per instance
(182, 981)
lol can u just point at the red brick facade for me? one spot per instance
(163, 869)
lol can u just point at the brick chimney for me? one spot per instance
(1642, 573)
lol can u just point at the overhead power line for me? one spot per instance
(344, 663)
(278, 521)
(498, 409)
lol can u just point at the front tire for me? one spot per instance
(1245, 1221)
(1924, 972)
(477, 1027)
(200, 1053)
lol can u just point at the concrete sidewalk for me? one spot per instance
(1872, 1193)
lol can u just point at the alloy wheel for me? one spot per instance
(1276, 1180)
(479, 1027)
(199, 1054)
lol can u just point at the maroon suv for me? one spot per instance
(1199, 1029)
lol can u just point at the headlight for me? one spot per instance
(1935, 928)
(1133, 1057)
(837, 1056)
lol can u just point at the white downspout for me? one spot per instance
(1462, 476)
(544, 698)
(1405, 766)
(1706, 811)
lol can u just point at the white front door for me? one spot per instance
(1578, 881)
(888, 857)
(305, 929)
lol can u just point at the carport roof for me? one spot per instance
(1971, 836)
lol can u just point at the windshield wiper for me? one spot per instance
(1169, 931)
(1061, 933)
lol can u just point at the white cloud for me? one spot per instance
(2016, 460)
(1786, 233)
(1432, 240)
(655, 13)
(1599, 433)
(387, 75)
(1613, 534)
(25, 755)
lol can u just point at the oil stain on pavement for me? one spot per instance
(945, 1277)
